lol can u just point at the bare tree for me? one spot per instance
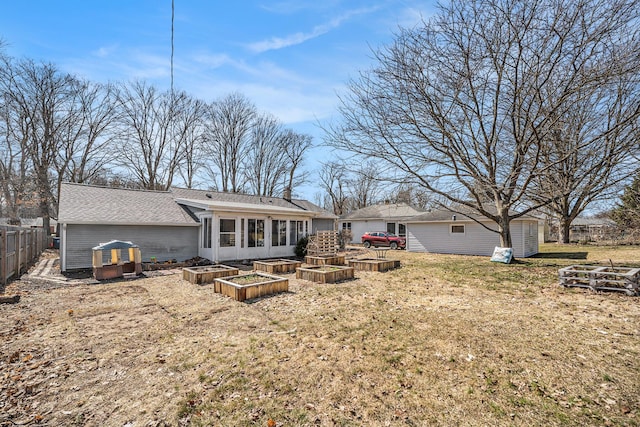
(265, 164)
(333, 177)
(88, 149)
(155, 128)
(14, 162)
(227, 139)
(40, 102)
(363, 186)
(590, 154)
(459, 105)
(296, 145)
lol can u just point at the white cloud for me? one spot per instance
(300, 37)
(104, 51)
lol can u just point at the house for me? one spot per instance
(441, 231)
(591, 229)
(182, 223)
(390, 217)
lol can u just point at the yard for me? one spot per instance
(444, 340)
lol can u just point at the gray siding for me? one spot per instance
(322, 225)
(436, 237)
(359, 227)
(162, 242)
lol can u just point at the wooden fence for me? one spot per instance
(19, 249)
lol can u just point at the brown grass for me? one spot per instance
(444, 340)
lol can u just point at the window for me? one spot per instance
(391, 227)
(278, 232)
(531, 229)
(457, 229)
(402, 230)
(255, 233)
(206, 232)
(296, 231)
(346, 226)
(242, 232)
(227, 233)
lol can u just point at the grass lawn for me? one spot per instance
(443, 340)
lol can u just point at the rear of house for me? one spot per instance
(182, 223)
(90, 215)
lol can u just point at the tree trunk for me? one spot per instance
(505, 232)
(563, 230)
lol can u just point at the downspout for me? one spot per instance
(63, 248)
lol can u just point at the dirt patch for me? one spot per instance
(441, 341)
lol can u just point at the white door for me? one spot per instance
(227, 238)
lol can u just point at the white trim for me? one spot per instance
(137, 224)
(235, 207)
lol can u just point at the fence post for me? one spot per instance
(3, 254)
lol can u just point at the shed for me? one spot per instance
(442, 231)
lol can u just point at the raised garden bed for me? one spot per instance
(325, 273)
(276, 266)
(374, 264)
(207, 274)
(324, 259)
(249, 286)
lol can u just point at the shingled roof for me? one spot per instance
(247, 199)
(397, 211)
(88, 204)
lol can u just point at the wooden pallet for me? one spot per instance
(323, 243)
(601, 278)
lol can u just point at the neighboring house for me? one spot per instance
(30, 222)
(441, 231)
(182, 223)
(390, 217)
(591, 229)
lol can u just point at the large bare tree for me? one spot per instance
(41, 106)
(459, 105)
(227, 139)
(333, 180)
(265, 164)
(87, 149)
(296, 146)
(590, 155)
(155, 127)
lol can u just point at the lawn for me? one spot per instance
(443, 340)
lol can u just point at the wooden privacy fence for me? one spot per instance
(19, 248)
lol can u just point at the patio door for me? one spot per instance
(205, 248)
(227, 241)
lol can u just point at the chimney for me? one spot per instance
(287, 194)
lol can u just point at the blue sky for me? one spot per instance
(291, 58)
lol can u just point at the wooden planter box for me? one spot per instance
(373, 264)
(107, 272)
(259, 284)
(207, 273)
(599, 278)
(276, 266)
(324, 259)
(325, 273)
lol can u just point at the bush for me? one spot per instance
(344, 237)
(301, 247)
